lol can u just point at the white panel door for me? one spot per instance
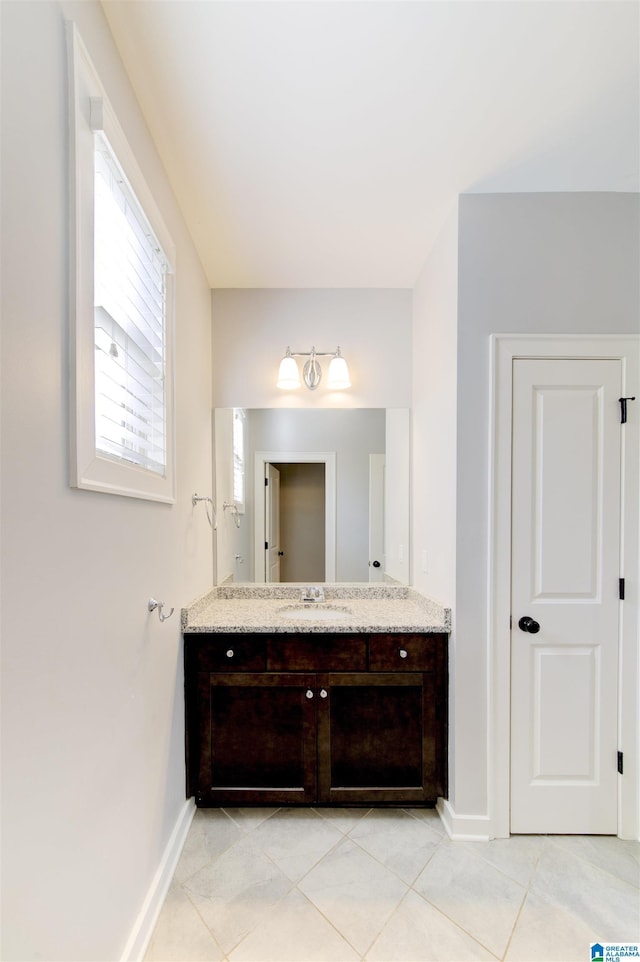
(565, 570)
(272, 524)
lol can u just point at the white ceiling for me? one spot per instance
(322, 144)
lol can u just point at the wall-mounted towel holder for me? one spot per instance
(235, 514)
(153, 604)
(207, 501)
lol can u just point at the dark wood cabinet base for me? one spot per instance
(316, 719)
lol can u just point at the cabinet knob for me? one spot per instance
(230, 653)
(323, 693)
(403, 653)
(309, 693)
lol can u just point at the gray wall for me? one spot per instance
(528, 263)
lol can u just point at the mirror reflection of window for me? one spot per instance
(239, 458)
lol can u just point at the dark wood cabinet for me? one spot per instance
(256, 739)
(316, 718)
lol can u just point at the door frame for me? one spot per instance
(504, 349)
(328, 458)
(272, 479)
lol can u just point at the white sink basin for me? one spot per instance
(313, 612)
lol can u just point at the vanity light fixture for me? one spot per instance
(289, 375)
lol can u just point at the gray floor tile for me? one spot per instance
(473, 894)
(388, 885)
(354, 892)
(547, 933)
(614, 855)
(598, 899)
(418, 932)
(399, 842)
(181, 934)
(298, 932)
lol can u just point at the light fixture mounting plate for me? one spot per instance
(312, 373)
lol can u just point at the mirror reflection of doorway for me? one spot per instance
(324, 541)
(302, 521)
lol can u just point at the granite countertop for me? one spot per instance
(357, 608)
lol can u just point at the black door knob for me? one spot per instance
(376, 564)
(528, 624)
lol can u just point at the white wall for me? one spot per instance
(92, 700)
(435, 307)
(397, 495)
(252, 328)
(539, 263)
(433, 508)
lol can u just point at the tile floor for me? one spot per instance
(335, 885)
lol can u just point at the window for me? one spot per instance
(238, 458)
(121, 257)
(130, 270)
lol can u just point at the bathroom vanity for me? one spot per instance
(341, 703)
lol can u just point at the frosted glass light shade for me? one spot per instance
(288, 375)
(338, 378)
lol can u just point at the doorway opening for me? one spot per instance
(295, 516)
(302, 521)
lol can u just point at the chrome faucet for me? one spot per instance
(313, 593)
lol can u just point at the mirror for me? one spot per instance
(336, 501)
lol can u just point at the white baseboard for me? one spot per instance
(464, 828)
(148, 915)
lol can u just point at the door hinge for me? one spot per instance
(266, 482)
(621, 589)
(266, 546)
(623, 408)
(621, 763)
(510, 622)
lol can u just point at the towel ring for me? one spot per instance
(153, 604)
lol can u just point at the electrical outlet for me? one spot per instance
(424, 562)
(401, 553)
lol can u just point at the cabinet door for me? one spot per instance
(257, 739)
(377, 738)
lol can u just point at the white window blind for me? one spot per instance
(238, 458)
(130, 312)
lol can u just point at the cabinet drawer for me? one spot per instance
(227, 653)
(402, 653)
(317, 652)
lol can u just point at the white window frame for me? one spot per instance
(90, 110)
